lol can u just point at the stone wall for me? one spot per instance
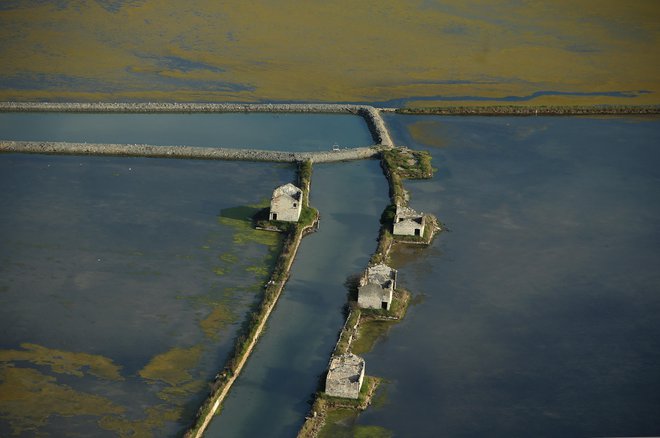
(134, 150)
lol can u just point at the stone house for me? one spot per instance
(376, 287)
(286, 203)
(345, 376)
(407, 222)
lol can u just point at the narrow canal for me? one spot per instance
(272, 395)
(288, 132)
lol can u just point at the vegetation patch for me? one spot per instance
(171, 367)
(28, 398)
(156, 417)
(220, 317)
(375, 323)
(177, 394)
(408, 163)
(64, 362)
(533, 110)
(327, 411)
(348, 332)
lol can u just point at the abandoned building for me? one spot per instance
(345, 376)
(376, 287)
(407, 222)
(286, 203)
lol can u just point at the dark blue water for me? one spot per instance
(539, 308)
(122, 259)
(288, 132)
(271, 397)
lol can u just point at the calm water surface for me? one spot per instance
(128, 262)
(123, 281)
(289, 132)
(539, 308)
(271, 397)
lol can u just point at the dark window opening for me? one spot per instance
(274, 216)
(384, 305)
(417, 232)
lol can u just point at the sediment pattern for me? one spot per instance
(189, 152)
(371, 115)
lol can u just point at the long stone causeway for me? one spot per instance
(190, 152)
(370, 114)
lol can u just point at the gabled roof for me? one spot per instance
(380, 274)
(407, 213)
(289, 191)
(346, 367)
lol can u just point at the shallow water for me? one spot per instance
(271, 397)
(287, 132)
(538, 308)
(125, 260)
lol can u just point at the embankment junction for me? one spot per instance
(370, 114)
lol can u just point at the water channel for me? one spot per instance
(538, 309)
(271, 397)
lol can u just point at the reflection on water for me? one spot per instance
(121, 288)
(271, 397)
(541, 303)
(288, 132)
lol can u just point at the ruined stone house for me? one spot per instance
(407, 222)
(286, 203)
(376, 287)
(345, 376)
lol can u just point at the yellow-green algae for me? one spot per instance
(428, 132)
(232, 51)
(340, 423)
(171, 367)
(28, 398)
(228, 257)
(64, 362)
(181, 393)
(245, 233)
(156, 417)
(259, 270)
(219, 318)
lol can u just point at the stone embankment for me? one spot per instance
(533, 110)
(371, 115)
(187, 152)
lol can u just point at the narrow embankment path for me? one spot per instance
(186, 152)
(248, 351)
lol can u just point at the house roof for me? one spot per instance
(407, 213)
(346, 367)
(380, 274)
(289, 191)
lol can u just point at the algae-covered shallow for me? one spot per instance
(541, 304)
(113, 318)
(424, 52)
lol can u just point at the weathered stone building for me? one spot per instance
(345, 376)
(407, 222)
(286, 203)
(376, 287)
